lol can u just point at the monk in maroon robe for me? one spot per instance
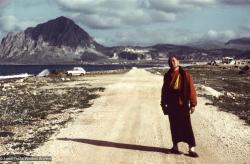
(178, 100)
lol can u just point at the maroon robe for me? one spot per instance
(178, 102)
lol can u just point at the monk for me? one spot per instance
(178, 100)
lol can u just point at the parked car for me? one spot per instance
(76, 71)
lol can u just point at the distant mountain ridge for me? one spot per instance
(239, 41)
(240, 44)
(61, 41)
(207, 44)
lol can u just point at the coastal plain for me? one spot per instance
(125, 124)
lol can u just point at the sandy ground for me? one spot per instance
(126, 125)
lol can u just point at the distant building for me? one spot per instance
(215, 62)
(115, 56)
(228, 60)
(243, 62)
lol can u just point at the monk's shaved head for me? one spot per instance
(173, 62)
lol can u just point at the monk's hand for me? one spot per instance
(192, 109)
(164, 109)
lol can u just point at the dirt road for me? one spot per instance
(126, 125)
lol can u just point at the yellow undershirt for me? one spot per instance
(176, 84)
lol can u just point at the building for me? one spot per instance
(228, 60)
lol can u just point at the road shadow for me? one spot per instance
(118, 145)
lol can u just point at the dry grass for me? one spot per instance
(235, 86)
(30, 115)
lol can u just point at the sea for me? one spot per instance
(16, 71)
(12, 71)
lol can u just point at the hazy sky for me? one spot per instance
(140, 22)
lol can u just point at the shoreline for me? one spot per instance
(6, 70)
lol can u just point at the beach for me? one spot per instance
(125, 124)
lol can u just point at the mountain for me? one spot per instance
(57, 41)
(207, 44)
(159, 52)
(61, 41)
(240, 41)
(244, 55)
(60, 32)
(235, 48)
(243, 44)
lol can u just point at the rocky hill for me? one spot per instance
(60, 32)
(57, 41)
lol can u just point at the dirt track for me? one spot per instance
(126, 125)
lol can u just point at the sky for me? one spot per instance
(135, 22)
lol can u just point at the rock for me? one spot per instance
(244, 70)
(44, 72)
(20, 81)
(230, 94)
(3, 98)
(20, 92)
(6, 85)
(34, 93)
(6, 134)
(208, 90)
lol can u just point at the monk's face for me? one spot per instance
(173, 63)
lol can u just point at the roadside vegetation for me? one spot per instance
(33, 109)
(234, 85)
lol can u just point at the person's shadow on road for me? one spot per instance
(118, 145)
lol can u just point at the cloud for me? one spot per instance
(245, 30)
(246, 27)
(210, 35)
(28, 3)
(150, 35)
(198, 2)
(219, 35)
(10, 23)
(236, 2)
(129, 21)
(4, 3)
(144, 36)
(104, 14)
(97, 22)
(111, 14)
(177, 5)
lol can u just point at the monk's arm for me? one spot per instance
(163, 92)
(193, 97)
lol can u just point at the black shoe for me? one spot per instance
(193, 154)
(175, 151)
